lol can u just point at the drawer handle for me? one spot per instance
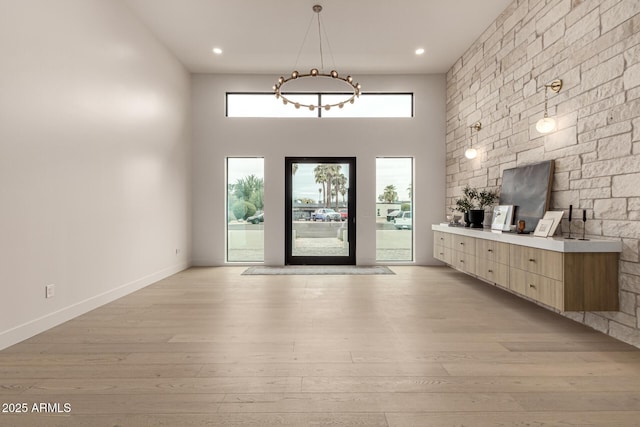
(442, 238)
(462, 261)
(532, 286)
(441, 253)
(532, 260)
(490, 271)
(489, 250)
(462, 243)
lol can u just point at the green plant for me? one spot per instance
(463, 205)
(486, 198)
(243, 210)
(472, 199)
(470, 193)
(466, 202)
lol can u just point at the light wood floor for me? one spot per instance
(426, 347)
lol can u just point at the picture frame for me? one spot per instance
(502, 217)
(556, 216)
(543, 228)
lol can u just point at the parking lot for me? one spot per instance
(246, 241)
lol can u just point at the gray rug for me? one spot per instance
(318, 269)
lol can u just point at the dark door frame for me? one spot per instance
(288, 209)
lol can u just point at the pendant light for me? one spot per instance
(548, 124)
(471, 153)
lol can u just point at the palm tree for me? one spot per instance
(390, 194)
(340, 184)
(331, 172)
(320, 174)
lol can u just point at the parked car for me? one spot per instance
(255, 219)
(403, 220)
(344, 214)
(392, 215)
(325, 214)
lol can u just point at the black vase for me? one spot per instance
(476, 218)
(465, 217)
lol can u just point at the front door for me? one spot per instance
(320, 211)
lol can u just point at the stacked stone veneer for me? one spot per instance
(594, 47)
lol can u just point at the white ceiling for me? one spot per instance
(365, 36)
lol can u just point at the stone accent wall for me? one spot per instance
(594, 47)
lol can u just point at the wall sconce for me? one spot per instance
(472, 153)
(548, 124)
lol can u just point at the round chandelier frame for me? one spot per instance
(350, 98)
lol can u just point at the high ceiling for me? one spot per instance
(365, 36)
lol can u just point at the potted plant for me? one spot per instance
(466, 203)
(473, 203)
(485, 199)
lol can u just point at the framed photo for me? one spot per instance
(543, 228)
(502, 217)
(556, 216)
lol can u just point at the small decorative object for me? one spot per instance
(454, 220)
(570, 213)
(543, 229)
(584, 223)
(502, 217)
(556, 216)
(521, 226)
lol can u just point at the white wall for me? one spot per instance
(216, 137)
(94, 160)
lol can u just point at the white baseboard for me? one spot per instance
(29, 329)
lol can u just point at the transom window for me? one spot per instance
(378, 105)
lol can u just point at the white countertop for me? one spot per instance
(557, 244)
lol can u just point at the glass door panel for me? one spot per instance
(320, 211)
(394, 209)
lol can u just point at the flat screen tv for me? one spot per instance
(528, 188)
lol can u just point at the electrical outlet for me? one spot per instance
(50, 291)
(177, 252)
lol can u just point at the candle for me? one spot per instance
(570, 211)
(584, 215)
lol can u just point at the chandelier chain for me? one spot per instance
(354, 87)
(320, 43)
(295, 66)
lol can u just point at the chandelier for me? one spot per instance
(354, 88)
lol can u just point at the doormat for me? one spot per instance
(318, 270)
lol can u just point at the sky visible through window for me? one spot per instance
(371, 105)
(396, 172)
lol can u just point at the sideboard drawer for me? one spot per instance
(464, 244)
(492, 271)
(464, 262)
(539, 288)
(494, 251)
(537, 261)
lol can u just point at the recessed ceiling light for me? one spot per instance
(217, 51)
(419, 51)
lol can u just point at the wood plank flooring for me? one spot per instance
(426, 347)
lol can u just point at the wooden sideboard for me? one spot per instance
(566, 275)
